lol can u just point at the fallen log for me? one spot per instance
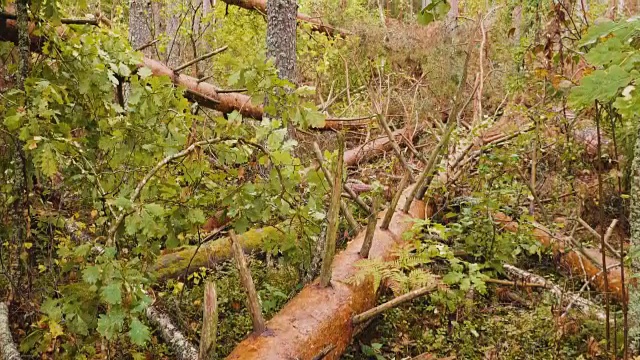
(316, 24)
(369, 150)
(183, 349)
(205, 94)
(320, 317)
(572, 260)
(8, 349)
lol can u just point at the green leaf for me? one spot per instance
(452, 278)
(48, 161)
(601, 85)
(12, 122)
(138, 332)
(111, 323)
(91, 274)
(196, 216)
(144, 72)
(154, 209)
(112, 293)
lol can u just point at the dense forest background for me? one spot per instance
(319, 179)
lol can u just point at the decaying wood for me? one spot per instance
(585, 305)
(316, 24)
(182, 348)
(209, 322)
(360, 318)
(253, 303)
(571, 259)
(8, 349)
(301, 330)
(334, 211)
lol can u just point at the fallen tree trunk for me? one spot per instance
(183, 349)
(318, 318)
(376, 147)
(201, 92)
(8, 349)
(316, 24)
(572, 260)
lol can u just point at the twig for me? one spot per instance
(535, 195)
(360, 318)
(150, 43)
(584, 287)
(513, 283)
(334, 209)
(200, 58)
(394, 145)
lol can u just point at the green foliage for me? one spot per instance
(81, 139)
(436, 10)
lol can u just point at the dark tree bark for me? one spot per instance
(140, 25)
(281, 36)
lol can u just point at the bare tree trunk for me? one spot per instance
(452, 17)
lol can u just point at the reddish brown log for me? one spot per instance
(571, 260)
(316, 24)
(371, 149)
(318, 317)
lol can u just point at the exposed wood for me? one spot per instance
(8, 349)
(253, 302)
(392, 303)
(316, 24)
(334, 211)
(209, 322)
(302, 331)
(180, 345)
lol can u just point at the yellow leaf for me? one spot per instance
(94, 213)
(42, 268)
(55, 329)
(28, 245)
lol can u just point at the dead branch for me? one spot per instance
(183, 349)
(606, 236)
(253, 303)
(200, 58)
(585, 305)
(392, 304)
(332, 229)
(209, 322)
(371, 228)
(394, 202)
(8, 349)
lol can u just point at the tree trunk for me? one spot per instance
(634, 219)
(140, 28)
(281, 36)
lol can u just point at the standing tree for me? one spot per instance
(281, 36)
